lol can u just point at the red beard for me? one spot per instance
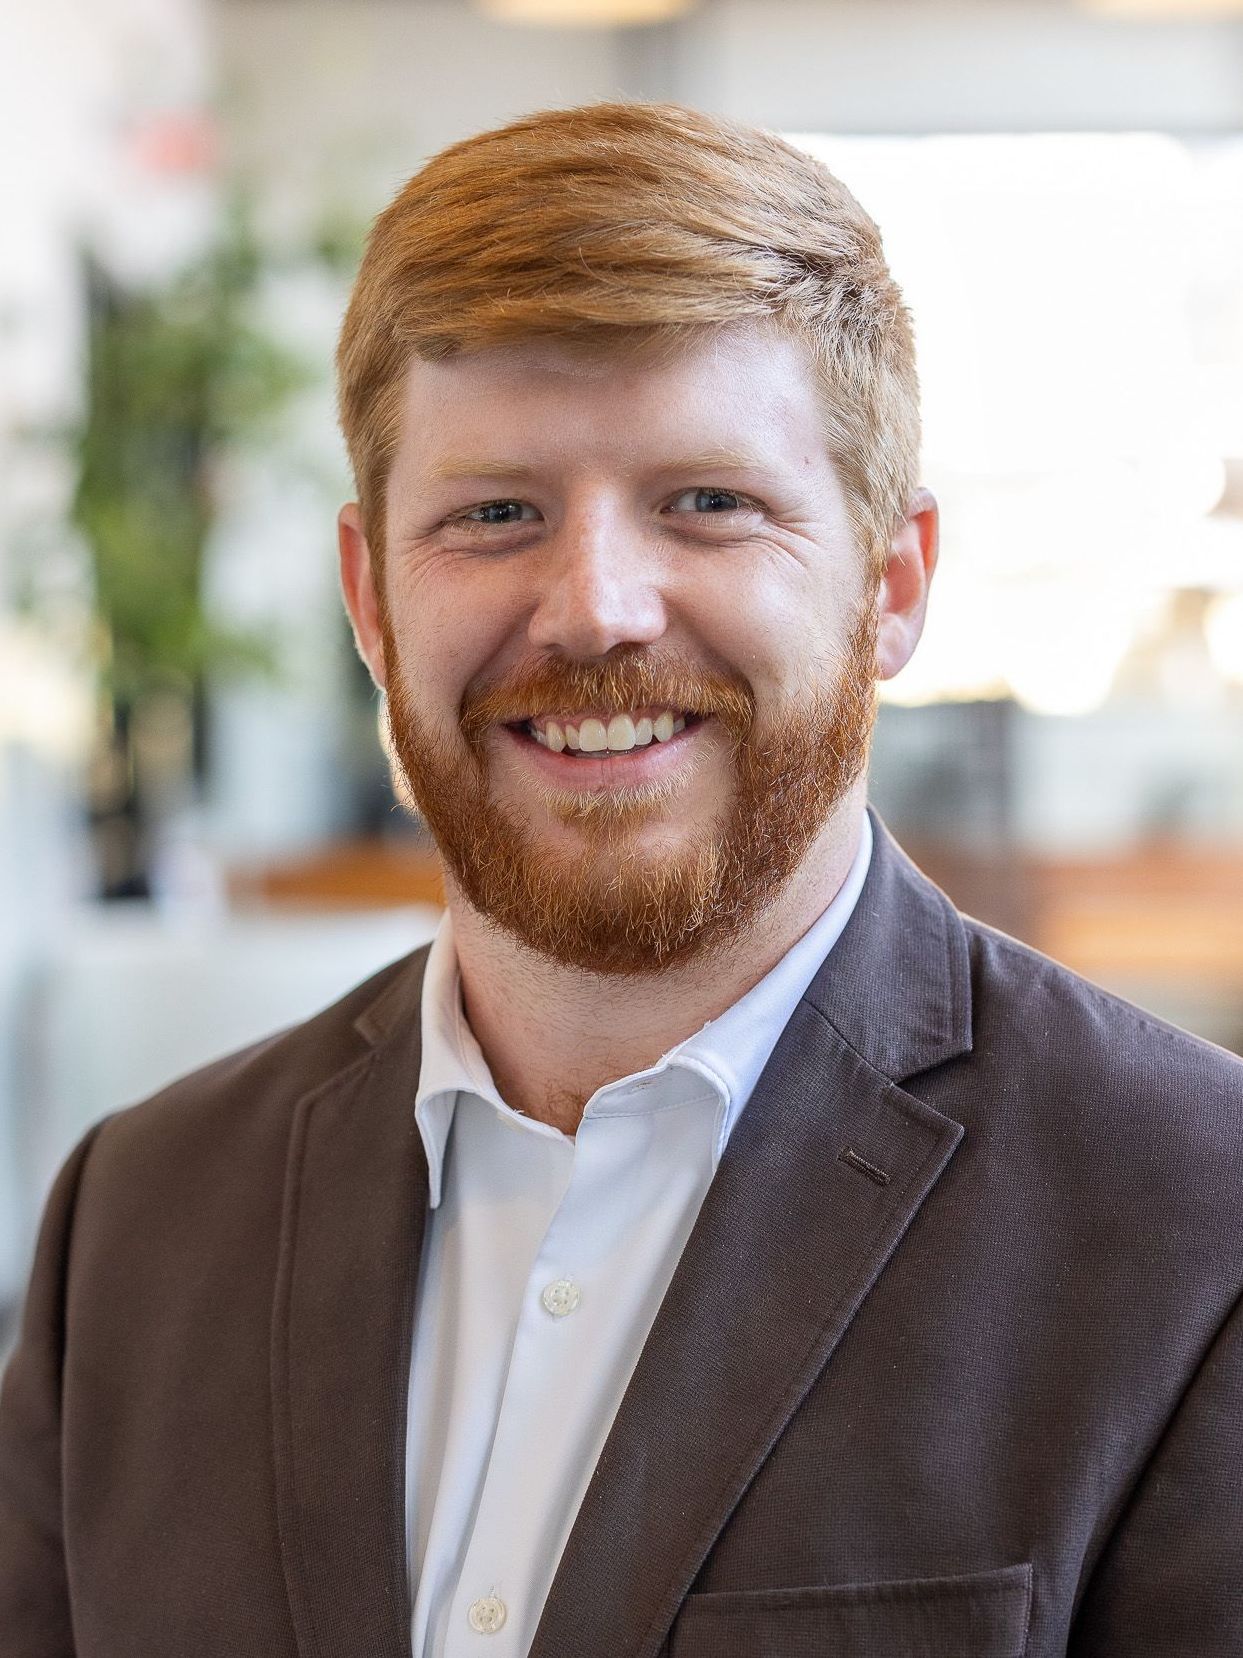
(609, 908)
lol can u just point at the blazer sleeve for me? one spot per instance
(34, 1595)
(1170, 1582)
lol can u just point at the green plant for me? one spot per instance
(175, 378)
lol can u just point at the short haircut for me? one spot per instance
(623, 223)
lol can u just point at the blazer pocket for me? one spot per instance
(983, 1615)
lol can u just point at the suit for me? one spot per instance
(951, 1364)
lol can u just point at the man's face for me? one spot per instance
(628, 642)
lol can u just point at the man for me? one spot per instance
(716, 1245)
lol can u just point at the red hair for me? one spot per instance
(619, 224)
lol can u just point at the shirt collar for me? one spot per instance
(727, 1054)
(452, 1061)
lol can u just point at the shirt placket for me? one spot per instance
(491, 1615)
(571, 1357)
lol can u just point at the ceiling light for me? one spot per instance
(584, 14)
(1172, 11)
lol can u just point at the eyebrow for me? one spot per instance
(718, 460)
(710, 460)
(450, 471)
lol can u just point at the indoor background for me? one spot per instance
(197, 838)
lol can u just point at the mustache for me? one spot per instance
(629, 678)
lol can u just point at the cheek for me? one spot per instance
(781, 614)
(776, 633)
(447, 632)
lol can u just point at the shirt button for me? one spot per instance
(487, 1615)
(561, 1297)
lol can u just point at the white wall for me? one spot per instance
(909, 66)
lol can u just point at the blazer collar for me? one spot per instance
(897, 986)
(355, 1205)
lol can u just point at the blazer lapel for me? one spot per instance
(822, 1176)
(355, 1206)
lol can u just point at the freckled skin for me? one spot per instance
(605, 543)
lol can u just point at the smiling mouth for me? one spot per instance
(601, 736)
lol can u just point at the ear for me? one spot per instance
(902, 598)
(359, 590)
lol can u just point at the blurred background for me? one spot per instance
(197, 838)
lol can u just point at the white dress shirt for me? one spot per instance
(545, 1260)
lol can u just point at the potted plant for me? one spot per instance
(176, 377)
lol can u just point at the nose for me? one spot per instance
(599, 586)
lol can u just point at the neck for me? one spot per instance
(552, 1035)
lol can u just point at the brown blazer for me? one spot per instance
(951, 1367)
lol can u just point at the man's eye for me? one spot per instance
(708, 501)
(500, 512)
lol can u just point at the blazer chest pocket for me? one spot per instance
(984, 1615)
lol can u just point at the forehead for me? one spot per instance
(749, 386)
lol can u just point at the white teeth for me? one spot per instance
(621, 733)
(618, 735)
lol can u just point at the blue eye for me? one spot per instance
(499, 512)
(709, 501)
